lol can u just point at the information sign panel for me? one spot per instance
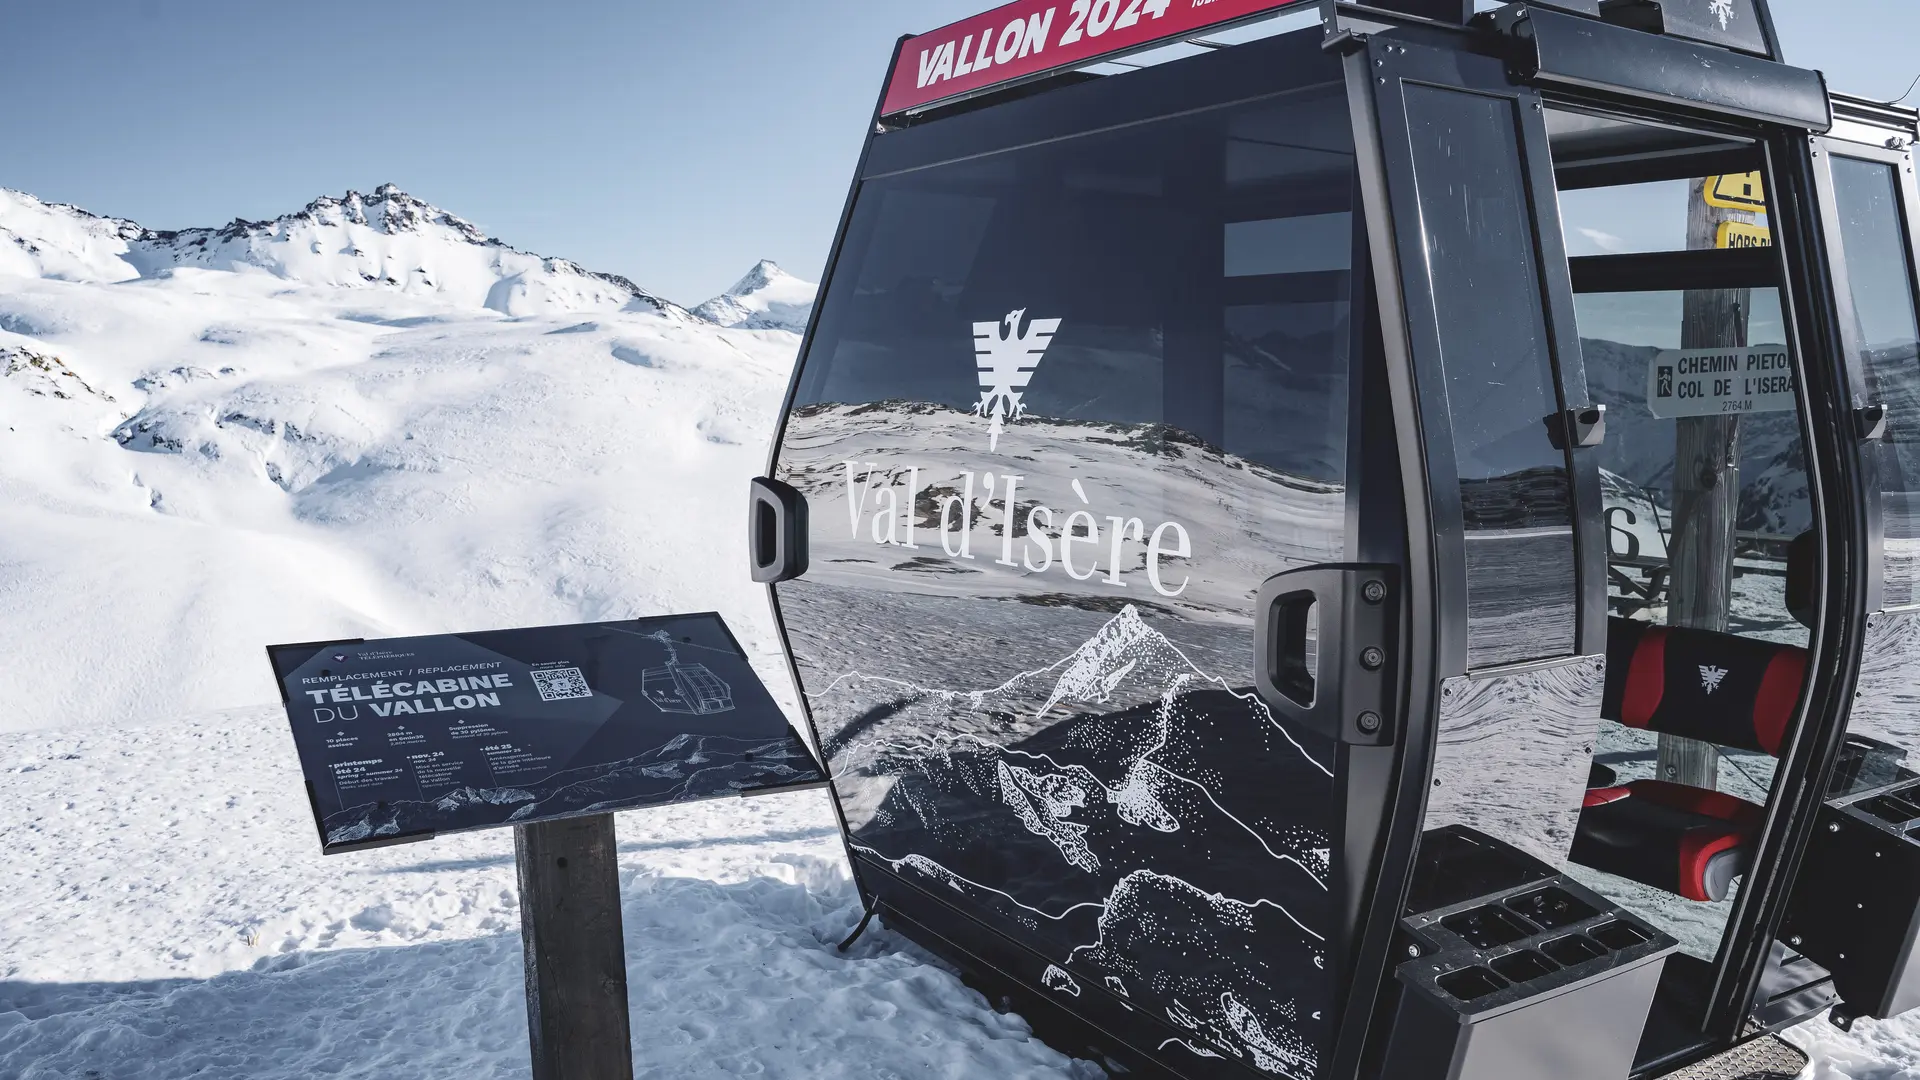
(1720, 382)
(1737, 191)
(408, 737)
(1739, 234)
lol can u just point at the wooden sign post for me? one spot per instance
(576, 954)
(1706, 475)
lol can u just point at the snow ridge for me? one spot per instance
(318, 426)
(63, 242)
(393, 240)
(389, 240)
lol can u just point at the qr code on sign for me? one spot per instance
(561, 684)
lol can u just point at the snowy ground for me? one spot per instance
(167, 914)
(363, 421)
(200, 459)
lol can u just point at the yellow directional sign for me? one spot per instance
(1739, 234)
(1737, 191)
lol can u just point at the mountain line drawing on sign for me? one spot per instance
(1117, 799)
(1007, 360)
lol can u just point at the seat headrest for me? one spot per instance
(1702, 684)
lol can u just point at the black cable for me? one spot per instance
(1910, 88)
(858, 930)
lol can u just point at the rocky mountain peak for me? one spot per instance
(389, 211)
(764, 274)
(45, 375)
(767, 298)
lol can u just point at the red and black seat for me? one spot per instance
(1685, 840)
(1698, 684)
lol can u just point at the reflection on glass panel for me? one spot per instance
(1067, 407)
(1290, 245)
(1237, 357)
(1884, 725)
(1625, 220)
(1493, 340)
(1887, 336)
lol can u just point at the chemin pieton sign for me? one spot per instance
(1720, 382)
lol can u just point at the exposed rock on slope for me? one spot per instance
(44, 376)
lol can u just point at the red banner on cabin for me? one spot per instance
(1030, 37)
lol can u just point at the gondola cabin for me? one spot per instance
(1330, 541)
(681, 687)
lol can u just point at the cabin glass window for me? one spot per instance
(1690, 356)
(1626, 339)
(1514, 486)
(1198, 268)
(1886, 336)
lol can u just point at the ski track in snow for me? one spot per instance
(322, 430)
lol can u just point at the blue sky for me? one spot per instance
(674, 141)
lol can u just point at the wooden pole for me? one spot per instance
(576, 965)
(1706, 485)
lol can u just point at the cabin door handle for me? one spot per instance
(1325, 658)
(776, 531)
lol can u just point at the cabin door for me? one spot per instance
(1613, 452)
(1504, 646)
(1506, 589)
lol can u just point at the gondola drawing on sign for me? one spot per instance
(684, 688)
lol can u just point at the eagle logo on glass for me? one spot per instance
(1722, 10)
(1007, 361)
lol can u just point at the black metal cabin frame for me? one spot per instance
(978, 778)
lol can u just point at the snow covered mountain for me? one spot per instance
(388, 240)
(768, 298)
(361, 419)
